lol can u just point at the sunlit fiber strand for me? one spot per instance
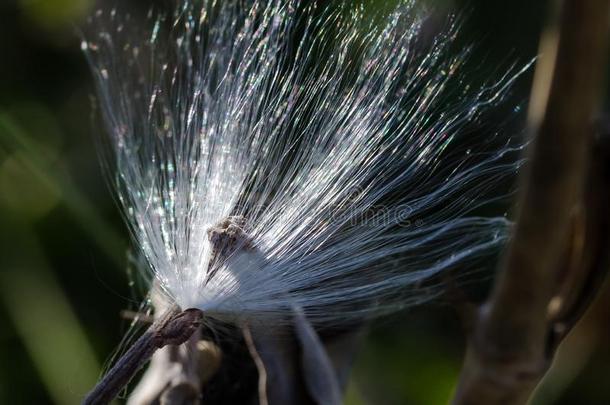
(336, 142)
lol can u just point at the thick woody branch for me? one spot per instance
(515, 336)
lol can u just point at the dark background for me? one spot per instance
(64, 249)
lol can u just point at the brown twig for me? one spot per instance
(512, 344)
(176, 374)
(260, 366)
(173, 328)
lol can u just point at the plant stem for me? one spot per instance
(173, 328)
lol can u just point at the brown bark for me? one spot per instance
(517, 330)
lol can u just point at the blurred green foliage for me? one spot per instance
(63, 246)
(54, 14)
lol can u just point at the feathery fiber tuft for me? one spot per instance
(271, 155)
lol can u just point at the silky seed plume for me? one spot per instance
(272, 155)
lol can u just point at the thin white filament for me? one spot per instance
(341, 141)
